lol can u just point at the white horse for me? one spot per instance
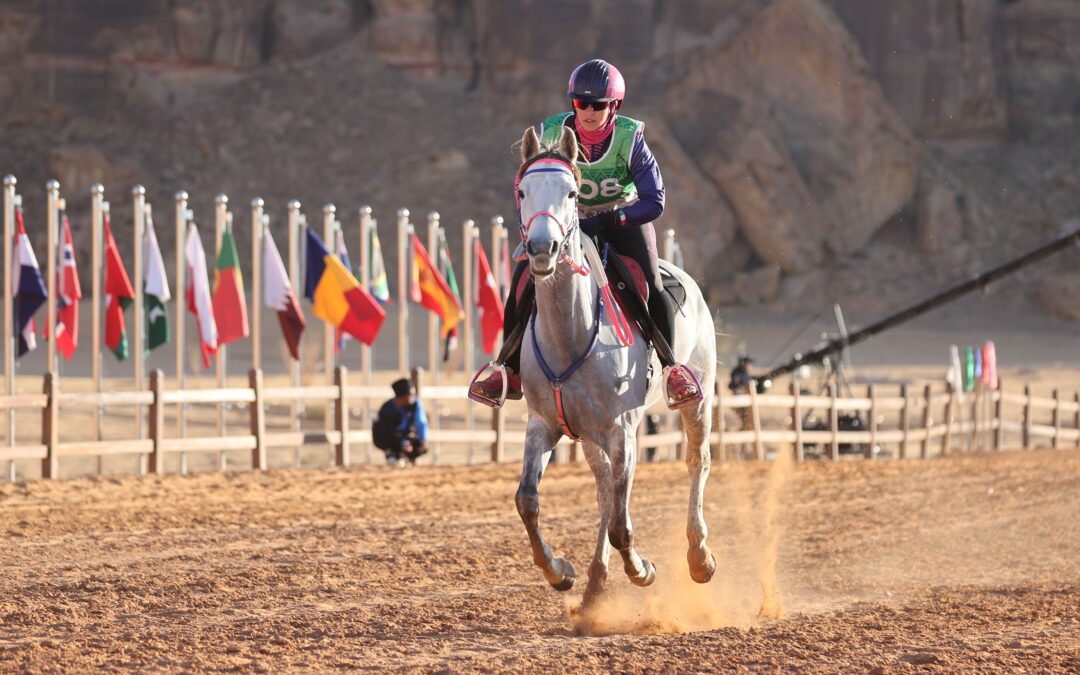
(604, 399)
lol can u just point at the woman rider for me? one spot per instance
(621, 195)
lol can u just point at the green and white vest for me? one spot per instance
(607, 181)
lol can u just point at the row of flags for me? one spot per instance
(336, 296)
(978, 367)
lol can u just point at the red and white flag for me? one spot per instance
(198, 295)
(67, 302)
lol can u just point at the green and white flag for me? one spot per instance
(155, 290)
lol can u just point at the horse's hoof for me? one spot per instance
(702, 564)
(568, 575)
(648, 577)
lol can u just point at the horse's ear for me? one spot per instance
(568, 146)
(530, 144)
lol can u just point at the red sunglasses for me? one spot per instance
(595, 105)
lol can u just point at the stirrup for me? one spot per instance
(480, 398)
(675, 404)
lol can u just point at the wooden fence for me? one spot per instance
(917, 425)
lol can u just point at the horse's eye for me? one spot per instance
(572, 195)
(521, 194)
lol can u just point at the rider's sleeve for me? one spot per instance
(649, 185)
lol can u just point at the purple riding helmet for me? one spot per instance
(597, 81)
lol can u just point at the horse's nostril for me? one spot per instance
(529, 248)
(552, 247)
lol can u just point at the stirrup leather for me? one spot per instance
(690, 393)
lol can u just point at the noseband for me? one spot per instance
(549, 163)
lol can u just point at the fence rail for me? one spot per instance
(930, 423)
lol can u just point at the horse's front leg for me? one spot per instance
(698, 422)
(598, 568)
(539, 443)
(623, 453)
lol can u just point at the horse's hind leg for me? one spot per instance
(539, 442)
(623, 453)
(697, 421)
(598, 568)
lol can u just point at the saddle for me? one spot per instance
(632, 291)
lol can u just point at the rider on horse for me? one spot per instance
(621, 194)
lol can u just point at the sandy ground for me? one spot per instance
(964, 563)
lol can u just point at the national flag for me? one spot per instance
(336, 296)
(230, 310)
(278, 295)
(377, 284)
(198, 294)
(155, 290)
(488, 300)
(446, 269)
(430, 289)
(119, 294)
(28, 287)
(68, 296)
(343, 255)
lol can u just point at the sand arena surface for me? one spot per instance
(952, 564)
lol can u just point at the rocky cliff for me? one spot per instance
(860, 150)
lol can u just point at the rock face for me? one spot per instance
(939, 221)
(935, 62)
(1059, 295)
(1042, 53)
(795, 72)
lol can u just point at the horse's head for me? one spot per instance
(547, 185)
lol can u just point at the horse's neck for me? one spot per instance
(565, 315)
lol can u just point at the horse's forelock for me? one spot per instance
(550, 151)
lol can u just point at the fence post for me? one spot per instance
(755, 420)
(796, 420)
(871, 391)
(947, 438)
(926, 420)
(720, 452)
(1027, 417)
(1076, 419)
(258, 420)
(834, 424)
(50, 427)
(905, 421)
(341, 417)
(999, 410)
(1057, 420)
(156, 461)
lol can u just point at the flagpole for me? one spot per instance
(469, 234)
(293, 221)
(52, 199)
(366, 225)
(180, 299)
(9, 333)
(669, 246)
(257, 206)
(403, 228)
(329, 211)
(138, 197)
(221, 218)
(98, 264)
(433, 321)
(497, 234)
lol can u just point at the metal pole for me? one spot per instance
(293, 222)
(329, 220)
(403, 231)
(182, 216)
(434, 341)
(497, 234)
(366, 227)
(138, 197)
(221, 221)
(9, 333)
(669, 245)
(99, 278)
(470, 233)
(257, 206)
(52, 219)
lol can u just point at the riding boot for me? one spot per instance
(681, 385)
(489, 391)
